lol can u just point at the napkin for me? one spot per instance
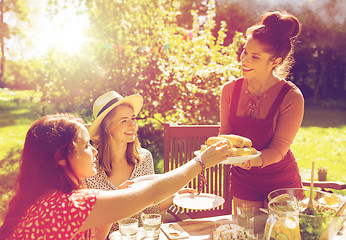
(174, 231)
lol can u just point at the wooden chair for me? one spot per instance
(180, 142)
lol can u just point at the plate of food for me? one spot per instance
(196, 201)
(241, 148)
(174, 231)
(236, 159)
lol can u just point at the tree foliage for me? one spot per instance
(137, 47)
(320, 53)
(10, 9)
(175, 53)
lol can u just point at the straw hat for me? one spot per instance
(106, 102)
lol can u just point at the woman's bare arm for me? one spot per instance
(111, 206)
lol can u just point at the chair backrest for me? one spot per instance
(180, 142)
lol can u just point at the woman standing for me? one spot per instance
(120, 158)
(265, 108)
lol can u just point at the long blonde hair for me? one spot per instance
(103, 145)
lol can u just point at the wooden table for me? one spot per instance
(203, 228)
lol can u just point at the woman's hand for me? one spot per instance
(186, 190)
(215, 154)
(244, 165)
(126, 184)
(169, 201)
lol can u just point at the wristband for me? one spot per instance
(201, 180)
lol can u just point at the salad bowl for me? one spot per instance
(322, 224)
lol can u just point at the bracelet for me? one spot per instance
(201, 180)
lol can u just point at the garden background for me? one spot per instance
(176, 54)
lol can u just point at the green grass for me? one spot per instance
(18, 110)
(325, 146)
(321, 138)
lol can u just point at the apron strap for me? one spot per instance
(235, 96)
(284, 90)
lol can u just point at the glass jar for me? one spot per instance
(283, 219)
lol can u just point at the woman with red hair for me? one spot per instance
(266, 108)
(49, 202)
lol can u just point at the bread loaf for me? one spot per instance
(235, 152)
(213, 140)
(239, 145)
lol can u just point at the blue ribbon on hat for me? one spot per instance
(110, 103)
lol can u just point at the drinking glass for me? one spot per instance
(245, 217)
(128, 228)
(151, 225)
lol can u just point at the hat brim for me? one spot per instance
(136, 101)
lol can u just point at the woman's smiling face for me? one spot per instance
(123, 125)
(82, 158)
(255, 60)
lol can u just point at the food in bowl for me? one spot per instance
(325, 204)
(232, 231)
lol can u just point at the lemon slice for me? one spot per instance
(331, 199)
(281, 236)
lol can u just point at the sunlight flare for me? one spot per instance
(64, 31)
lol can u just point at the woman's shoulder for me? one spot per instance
(145, 154)
(99, 181)
(294, 91)
(60, 206)
(146, 166)
(231, 82)
(77, 199)
(228, 86)
(293, 99)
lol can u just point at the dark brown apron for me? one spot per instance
(255, 184)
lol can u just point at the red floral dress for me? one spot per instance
(57, 216)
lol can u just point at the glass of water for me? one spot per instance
(245, 217)
(151, 225)
(128, 228)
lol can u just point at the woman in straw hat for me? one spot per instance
(121, 158)
(49, 202)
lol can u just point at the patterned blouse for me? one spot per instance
(57, 216)
(146, 167)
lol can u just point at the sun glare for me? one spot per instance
(64, 32)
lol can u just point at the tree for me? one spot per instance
(137, 47)
(137, 43)
(321, 54)
(16, 9)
